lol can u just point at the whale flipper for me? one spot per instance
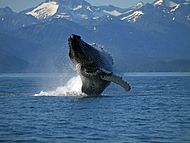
(118, 80)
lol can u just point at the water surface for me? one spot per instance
(157, 109)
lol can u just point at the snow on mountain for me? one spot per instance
(73, 10)
(78, 7)
(133, 17)
(188, 17)
(174, 9)
(168, 3)
(44, 10)
(161, 2)
(172, 4)
(63, 15)
(90, 8)
(83, 13)
(113, 13)
(138, 5)
(158, 2)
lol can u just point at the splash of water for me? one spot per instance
(72, 88)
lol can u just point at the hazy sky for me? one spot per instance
(18, 5)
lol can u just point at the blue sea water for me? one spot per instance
(156, 110)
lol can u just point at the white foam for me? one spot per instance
(72, 88)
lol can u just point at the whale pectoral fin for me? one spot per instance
(118, 80)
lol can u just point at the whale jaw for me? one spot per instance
(76, 53)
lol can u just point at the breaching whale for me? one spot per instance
(94, 66)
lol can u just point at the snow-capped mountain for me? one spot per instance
(73, 10)
(45, 10)
(81, 12)
(140, 38)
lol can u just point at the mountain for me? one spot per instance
(78, 11)
(145, 37)
(10, 20)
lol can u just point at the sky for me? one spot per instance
(19, 5)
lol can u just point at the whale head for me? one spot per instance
(76, 49)
(83, 54)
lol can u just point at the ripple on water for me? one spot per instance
(157, 109)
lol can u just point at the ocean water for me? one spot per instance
(48, 108)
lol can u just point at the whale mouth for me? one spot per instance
(74, 40)
(76, 52)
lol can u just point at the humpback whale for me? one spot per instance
(94, 66)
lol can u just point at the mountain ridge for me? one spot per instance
(140, 38)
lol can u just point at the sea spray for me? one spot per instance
(72, 88)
